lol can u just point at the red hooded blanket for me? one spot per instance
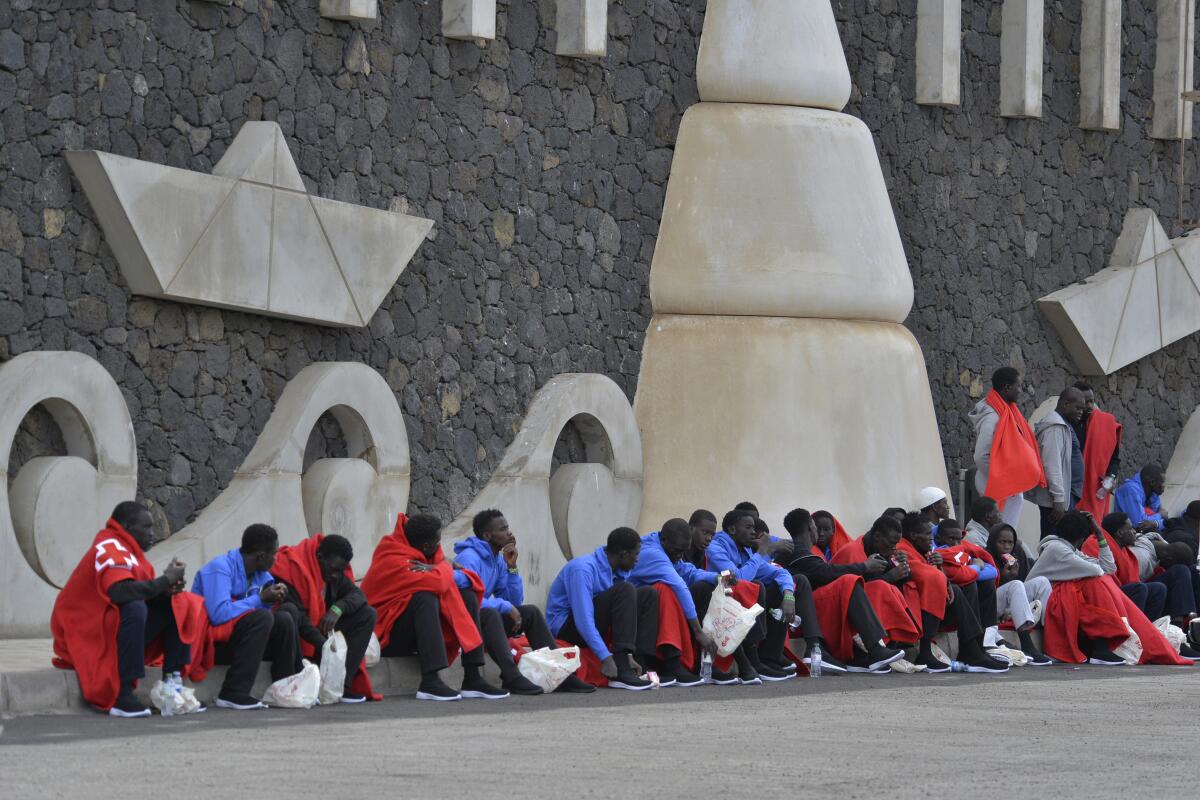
(1016, 462)
(297, 565)
(898, 607)
(390, 583)
(931, 581)
(84, 621)
(1128, 570)
(1103, 436)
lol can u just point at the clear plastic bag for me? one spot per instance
(1131, 648)
(1173, 633)
(301, 690)
(333, 668)
(727, 621)
(549, 668)
(373, 654)
(172, 699)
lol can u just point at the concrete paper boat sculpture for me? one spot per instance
(248, 237)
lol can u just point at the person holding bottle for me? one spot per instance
(1099, 435)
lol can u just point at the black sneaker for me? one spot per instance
(771, 674)
(1037, 658)
(829, 665)
(876, 661)
(1187, 652)
(987, 664)
(575, 685)
(479, 689)
(628, 679)
(1194, 632)
(128, 705)
(435, 689)
(353, 698)
(1105, 658)
(685, 679)
(782, 666)
(523, 686)
(238, 702)
(747, 673)
(931, 663)
(724, 678)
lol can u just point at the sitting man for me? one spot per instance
(1186, 527)
(1088, 616)
(323, 598)
(1140, 499)
(239, 594)
(891, 590)
(1016, 600)
(842, 606)
(934, 505)
(1150, 598)
(592, 597)
(492, 555)
(1141, 554)
(113, 609)
(703, 524)
(421, 610)
(747, 556)
(960, 606)
(831, 536)
(985, 515)
(661, 561)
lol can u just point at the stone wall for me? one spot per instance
(545, 179)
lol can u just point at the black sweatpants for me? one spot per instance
(961, 615)
(261, 635)
(356, 626)
(144, 622)
(629, 612)
(419, 631)
(1150, 597)
(1181, 595)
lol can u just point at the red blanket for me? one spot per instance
(1128, 570)
(673, 630)
(390, 584)
(833, 601)
(930, 580)
(1016, 462)
(1103, 436)
(956, 562)
(84, 622)
(1094, 607)
(297, 565)
(898, 607)
(837, 541)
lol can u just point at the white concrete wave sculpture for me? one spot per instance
(1147, 298)
(559, 514)
(57, 503)
(775, 368)
(357, 497)
(248, 237)
(1183, 473)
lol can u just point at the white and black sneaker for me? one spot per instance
(876, 662)
(128, 706)
(829, 665)
(239, 702)
(628, 679)
(350, 698)
(988, 664)
(769, 673)
(479, 689)
(684, 679)
(1105, 658)
(434, 689)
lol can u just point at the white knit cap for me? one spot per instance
(928, 496)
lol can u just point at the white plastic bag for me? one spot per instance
(1173, 633)
(172, 700)
(549, 668)
(727, 621)
(333, 668)
(373, 654)
(296, 691)
(1131, 648)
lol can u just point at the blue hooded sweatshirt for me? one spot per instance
(226, 591)
(1130, 498)
(724, 554)
(572, 595)
(501, 589)
(654, 566)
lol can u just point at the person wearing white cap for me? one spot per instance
(934, 505)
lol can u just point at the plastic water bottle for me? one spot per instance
(1106, 486)
(706, 667)
(958, 666)
(814, 662)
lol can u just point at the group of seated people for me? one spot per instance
(634, 606)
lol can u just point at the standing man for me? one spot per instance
(239, 593)
(1140, 499)
(1059, 446)
(1099, 435)
(1006, 453)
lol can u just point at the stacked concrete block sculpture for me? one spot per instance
(1174, 58)
(775, 368)
(1100, 66)
(581, 27)
(939, 52)
(55, 504)
(248, 237)
(350, 9)
(1021, 45)
(1147, 298)
(559, 514)
(469, 19)
(357, 497)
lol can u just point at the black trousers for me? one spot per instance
(631, 613)
(863, 618)
(261, 635)
(355, 626)
(1150, 597)
(419, 631)
(144, 622)
(496, 628)
(1181, 591)
(961, 614)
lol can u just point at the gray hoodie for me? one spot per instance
(1147, 557)
(1059, 560)
(984, 418)
(1055, 438)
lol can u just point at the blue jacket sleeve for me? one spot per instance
(583, 613)
(773, 572)
(1130, 501)
(512, 589)
(655, 567)
(218, 598)
(720, 560)
(986, 572)
(463, 582)
(692, 574)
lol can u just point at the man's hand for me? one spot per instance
(422, 566)
(174, 572)
(706, 642)
(783, 546)
(1147, 526)
(327, 622)
(788, 607)
(899, 573)
(876, 564)
(514, 616)
(272, 594)
(1057, 512)
(608, 668)
(934, 558)
(900, 557)
(510, 554)
(977, 562)
(1011, 569)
